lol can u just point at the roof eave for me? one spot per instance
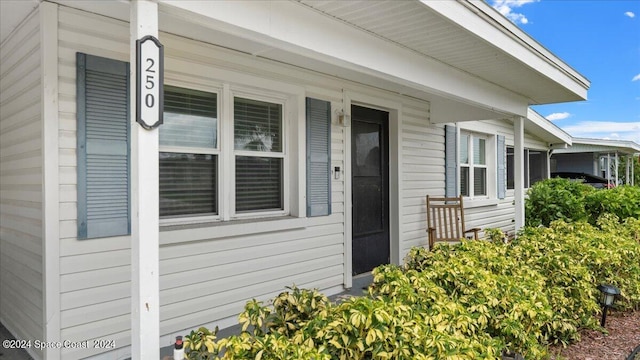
(546, 130)
(625, 145)
(493, 28)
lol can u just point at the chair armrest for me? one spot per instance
(474, 231)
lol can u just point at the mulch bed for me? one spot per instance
(623, 338)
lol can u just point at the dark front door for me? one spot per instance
(370, 188)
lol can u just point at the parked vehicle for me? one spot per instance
(597, 182)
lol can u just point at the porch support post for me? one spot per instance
(50, 176)
(633, 180)
(145, 304)
(628, 164)
(615, 169)
(608, 172)
(518, 162)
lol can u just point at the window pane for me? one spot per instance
(464, 149)
(464, 181)
(258, 183)
(257, 125)
(187, 184)
(510, 168)
(526, 168)
(479, 181)
(537, 166)
(190, 118)
(367, 149)
(479, 156)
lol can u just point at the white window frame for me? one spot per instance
(226, 153)
(489, 165)
(253, 94)
(183, 219)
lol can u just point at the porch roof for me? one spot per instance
(544, 129)
(582, 145)
(464, 57)
(470, 36)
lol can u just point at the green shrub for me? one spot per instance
(467, 301)
(504, 299)
(556, 199)
(622, 201)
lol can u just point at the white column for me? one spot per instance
(145, 311)
(615, 169)
(518, 174)
(608, 171)
(50, 176)
(633, 182)
(628, 164)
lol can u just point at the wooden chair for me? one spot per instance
(445, 220)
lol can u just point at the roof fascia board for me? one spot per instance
(298, 29)
(485, 22)
(624, 145)
(556, 135)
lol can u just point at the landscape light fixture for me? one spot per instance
(608, 295)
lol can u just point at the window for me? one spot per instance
(193, 149)
(258, 155)
(222, 154)
(510, 168)
(535, 167)
(189, 153)
(473, 165)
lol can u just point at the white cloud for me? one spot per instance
(630, 14)
(505, 7)
(636, 78)
(558, 116)
(605, 130)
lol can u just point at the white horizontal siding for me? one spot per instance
(207, 273)
(202, 277)
(94, 274)
(501, 215)
(21, 258)
(422, 150)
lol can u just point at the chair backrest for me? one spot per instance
(445, 219)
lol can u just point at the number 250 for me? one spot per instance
(149, 99)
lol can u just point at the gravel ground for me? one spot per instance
(623, 337)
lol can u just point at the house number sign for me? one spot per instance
(149, 91)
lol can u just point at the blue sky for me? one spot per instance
(601, 40)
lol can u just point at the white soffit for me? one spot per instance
(469, 36)
(464, 67)
(544, 129)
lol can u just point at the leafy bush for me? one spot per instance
(561, 199)
(467, 301)
(622, 201)
(556, 199)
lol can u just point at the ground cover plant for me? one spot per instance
(473, 300)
